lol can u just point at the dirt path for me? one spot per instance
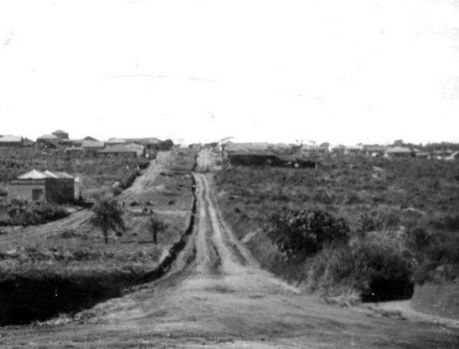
(144, 184)
(217, 296)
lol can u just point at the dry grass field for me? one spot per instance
(406, 208)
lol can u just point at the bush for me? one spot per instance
(31, 213)
(144, 164)
(299, 234)
(108, 215)
(127, 182)
(332, 269)
(377, 270)
(382, 271)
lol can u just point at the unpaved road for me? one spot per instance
(217, 296)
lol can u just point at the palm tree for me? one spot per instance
(108, 215)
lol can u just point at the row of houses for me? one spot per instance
(396, 152)
(88, 146)
(258, 150)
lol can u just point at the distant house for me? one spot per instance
(422, 155)
(353, 150)
(260, 158)
(61, 134)
(71, 142)
(92, 146)
(58, 187)
(148, 142)
(123, 150)
(231, 147)
(374, 151)
(74, 152)
(11, 141)
(338, 150)
(48, 141)
(443, 154)
(399, 152)
(115, 141)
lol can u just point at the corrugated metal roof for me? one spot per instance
(35, 174)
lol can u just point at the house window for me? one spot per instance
(37, 194)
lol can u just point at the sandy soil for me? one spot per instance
(216, 296)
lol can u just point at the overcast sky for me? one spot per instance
(345, 71)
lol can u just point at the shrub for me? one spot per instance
(32, 213)
(144, 164)
(331, 269)
(156, 226)
(376, 269)
(108, 216)
(303, 233)
(127, 182)
(382, 270)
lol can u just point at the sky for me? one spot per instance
(343, 71)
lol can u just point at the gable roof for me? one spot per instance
(35, 174)
(48, 137)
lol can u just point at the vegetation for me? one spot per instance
(108, 215)
(299, 234)
(17, 212)
(156, 226)
(401, 217)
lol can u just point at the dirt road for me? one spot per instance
(217, 296)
